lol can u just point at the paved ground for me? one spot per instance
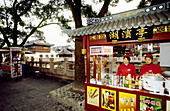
(29, 94)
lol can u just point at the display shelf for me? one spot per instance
(126, 93)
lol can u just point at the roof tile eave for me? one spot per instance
(127, 20)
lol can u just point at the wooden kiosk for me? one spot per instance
(147, 25)
(13, 67)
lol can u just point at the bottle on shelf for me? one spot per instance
(137, 83)
(130, 80)
(133, 83)
(127, 82)
(115, 80)
(140, 83)
(123, 81)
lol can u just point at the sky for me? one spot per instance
(54, 34)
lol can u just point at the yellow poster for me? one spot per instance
(93, 96)
(127, 102)
(108, 99)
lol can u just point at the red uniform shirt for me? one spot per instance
(125, 70)
(152, 68)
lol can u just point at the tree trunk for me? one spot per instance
(79, 78)
(79, 67)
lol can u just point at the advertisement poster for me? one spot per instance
(127, 102)
(101, 50)
(93, 96)
(108, 99)
(150, 104)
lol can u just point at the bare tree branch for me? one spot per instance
(5, 37)
(104, 9)
(2, 44)
(47, 25)
(32, 31)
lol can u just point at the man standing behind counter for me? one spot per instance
(149, 67)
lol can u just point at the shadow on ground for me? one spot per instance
(29, 93)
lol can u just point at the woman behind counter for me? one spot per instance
(149, 67)
(126, 68)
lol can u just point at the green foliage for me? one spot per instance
(87, 11)
(21, 19)
(64, 21)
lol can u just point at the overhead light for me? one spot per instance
(147, 10)
(161, 7)
(154, 8)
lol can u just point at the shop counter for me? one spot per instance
(12, 70)
(112, 98)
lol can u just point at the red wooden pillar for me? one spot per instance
(94, 69)
(88, 59)
(84, 42)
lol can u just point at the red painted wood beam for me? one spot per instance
(88, 59)
(94, 69)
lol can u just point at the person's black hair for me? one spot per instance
(128, 58)
(149, 57)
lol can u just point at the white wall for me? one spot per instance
(37, 55)
(165, 54)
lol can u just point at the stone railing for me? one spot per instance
(57, 67)
(64, 67)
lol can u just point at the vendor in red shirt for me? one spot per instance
(149, 67)
(126, 68)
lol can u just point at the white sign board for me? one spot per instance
(101, 50)
(165, 54)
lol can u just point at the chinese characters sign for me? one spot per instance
(108, 99)
(161, 29)
(93, 20)
(150, 104)
(97, 36)
(130, 34)
(127, 102)
(92, 95)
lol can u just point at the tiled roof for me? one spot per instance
(150, 16)
(38, 42)
(64, 51)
